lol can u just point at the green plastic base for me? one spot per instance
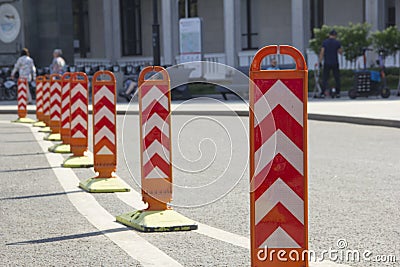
(39, 124)
(45, 130)
(24, 120)
(157, 221)
(53, 137)
(60, 148)
(78, 162)
(104, 185)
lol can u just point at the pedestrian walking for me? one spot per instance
(331, 47)
(58, 63)
(26, 69)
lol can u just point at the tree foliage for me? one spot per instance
(387, 40)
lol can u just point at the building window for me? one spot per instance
(81, 27)
(248, 33)
(317, 15)
(391, 13)
(187, 8)
(131, 27)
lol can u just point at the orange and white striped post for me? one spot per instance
(23, 88)
(55, 107)
(79, 96)
(278, 162)
(104, 136)
(46, 104)
(155, 148)
(39, 102)
(65, 129)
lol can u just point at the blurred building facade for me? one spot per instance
(120, 31)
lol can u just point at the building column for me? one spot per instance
(397, 7)
(373, 14)
(300, 24)
(112, 34)
(169, 31)
(232, 31)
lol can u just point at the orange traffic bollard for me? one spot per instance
(55, 107)
(65, 129)
(278, 162)
(155, 148)
(39, 102)
(79, 96)
(46, 104)
(23, 88)
(104, 136)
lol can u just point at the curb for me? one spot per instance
(245, 113)
(354, 120)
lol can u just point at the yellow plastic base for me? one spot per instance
(60, 148)
(45, 130)
(78, 162)
(104, 185)
(39, 124)
(24, 120)
(157, 221)
(53, 137)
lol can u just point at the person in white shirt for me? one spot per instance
(26, 69)
(58, 63)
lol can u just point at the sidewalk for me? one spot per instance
(368, 111)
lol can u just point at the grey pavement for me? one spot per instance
(353, 182)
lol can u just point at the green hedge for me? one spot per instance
(347, 79)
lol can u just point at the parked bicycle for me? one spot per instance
(8, 87)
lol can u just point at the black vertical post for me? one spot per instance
(249, 30)
(156, 36)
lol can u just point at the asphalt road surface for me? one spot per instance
(354, 197)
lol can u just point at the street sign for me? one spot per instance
(278, 161)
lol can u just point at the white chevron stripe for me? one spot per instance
(278, 94)
(279, 239)
(155, 121)
(64, 115)
(78, 134)
(279, 191)
(21, 93)
(278, 143)
(56, 86)
(78, 89)
(78, 120)
(65, 90)
(104, 91)
(155, 148)
(154, 94)
(156, 173)
(104, 132)
(22, 85)
(55, 118)
(55, 108)
(104, 112)
(65, 103)
(104, 151)
(65, 126)
(78, 105)
(55, 97)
